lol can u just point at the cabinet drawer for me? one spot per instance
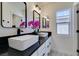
(35, 53)
(48, 42)
(42, 47)
(42, 52)
(48, 45)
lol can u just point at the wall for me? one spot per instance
(61, 43)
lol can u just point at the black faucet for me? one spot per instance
(19, 31)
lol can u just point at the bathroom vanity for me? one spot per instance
(44, 49)
(41, 47)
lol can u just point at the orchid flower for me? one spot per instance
(34, 24)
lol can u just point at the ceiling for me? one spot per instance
(54, 3)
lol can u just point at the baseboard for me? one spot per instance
(64, 53)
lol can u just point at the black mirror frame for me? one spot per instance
(25, 16)
(34, 11)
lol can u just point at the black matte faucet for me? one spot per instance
(18, 31)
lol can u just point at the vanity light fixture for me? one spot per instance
(37, 8)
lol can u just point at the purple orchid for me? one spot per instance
(34, 24)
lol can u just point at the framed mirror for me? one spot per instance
(36, 17)
(45, 22)
(14, 14)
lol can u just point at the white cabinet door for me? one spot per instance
(35, 53)
(48, 45)
(42, 50)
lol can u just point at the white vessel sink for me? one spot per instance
(42, 34)
(22, 42)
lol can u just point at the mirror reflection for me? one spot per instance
(13, 14)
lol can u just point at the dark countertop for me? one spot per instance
(30, 50)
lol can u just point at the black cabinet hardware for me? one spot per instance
(43, 54)
(77, 11)
(77, 50)
(77, 31)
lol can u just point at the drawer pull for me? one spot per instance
(43, 54)
(48, 46)
(50, 43)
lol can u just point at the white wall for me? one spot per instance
(61, 43)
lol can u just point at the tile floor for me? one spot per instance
(55, 53)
